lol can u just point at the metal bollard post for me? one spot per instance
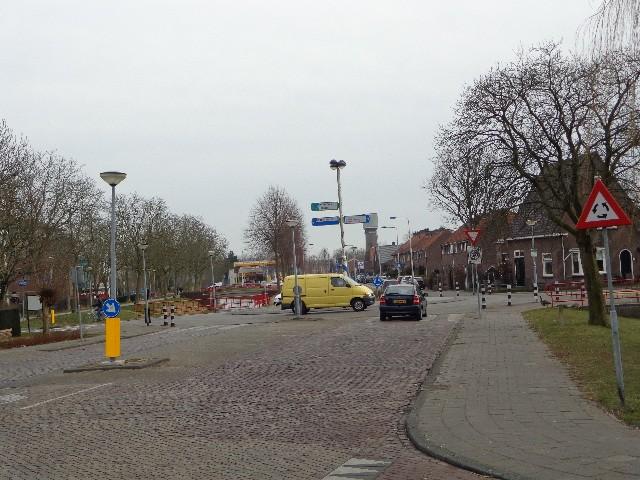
(457, 290)
(509, 295)
(164, 315)
(490, 288)
(484, 300)
(440, 288)
(582, 294)
(535, 291)
(173, 315)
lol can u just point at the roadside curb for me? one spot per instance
(93, 341)
(134, 364)
(420, 439)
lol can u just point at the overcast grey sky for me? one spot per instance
(206, 103)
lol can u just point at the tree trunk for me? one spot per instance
(591, 279)
(45, 318)
(278, 270)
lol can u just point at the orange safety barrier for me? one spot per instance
(227, 302)
(575, 293)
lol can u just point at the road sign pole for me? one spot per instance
(478, 291)
(615, 334)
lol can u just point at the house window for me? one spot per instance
(576, 262)
(518, 254)
(505, 257)
(602, 267)
(547, 265)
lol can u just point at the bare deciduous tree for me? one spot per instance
(555, 122)
(614, 26)
(268, 229)
(468, 182)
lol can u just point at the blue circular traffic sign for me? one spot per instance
(111, 308)
(377, 281)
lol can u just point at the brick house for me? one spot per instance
(558, 258)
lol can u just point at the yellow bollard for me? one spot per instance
(112, 337)
(53, 317)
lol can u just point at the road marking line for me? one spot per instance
(67, 395)
(358, 469)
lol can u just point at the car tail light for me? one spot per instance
(382, 300)
(416, 300)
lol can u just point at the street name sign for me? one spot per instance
(601, 210)
(322, 221)
(22, 283)
(472, 234)
(350, 219)
(320, 206)
(111, 308)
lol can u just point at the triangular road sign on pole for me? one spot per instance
(601, 210)
(472, 234)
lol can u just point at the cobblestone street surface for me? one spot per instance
(250, 398)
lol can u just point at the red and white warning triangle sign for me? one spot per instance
(472, 234)
(601, 210)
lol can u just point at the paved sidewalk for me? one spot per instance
(501, 404)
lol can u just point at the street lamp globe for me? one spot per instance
(337, 164)
(113, 178)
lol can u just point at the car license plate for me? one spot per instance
(400, 301)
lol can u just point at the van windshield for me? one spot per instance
(351, 281)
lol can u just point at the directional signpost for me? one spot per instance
(475, 258)
(351, 219)
(601, 210)
(111, 309)
(320, 206)
(322, 221)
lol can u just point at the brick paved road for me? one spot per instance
(286, 400)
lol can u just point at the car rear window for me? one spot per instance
(399, 290)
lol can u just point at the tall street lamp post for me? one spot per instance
(147, 319)
(534, 254)
(410, 247)
(296, 289)
(397, 247)
(112, 325)
(78, 269)
(338, 165)
(212, 292)
(113, 179)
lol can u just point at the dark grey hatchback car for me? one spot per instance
(403, 300)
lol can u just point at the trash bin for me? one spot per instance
(10, 318)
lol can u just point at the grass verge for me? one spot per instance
(39, 339)
(64, 319)
(588, 353)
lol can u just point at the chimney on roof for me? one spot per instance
(393, 243)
